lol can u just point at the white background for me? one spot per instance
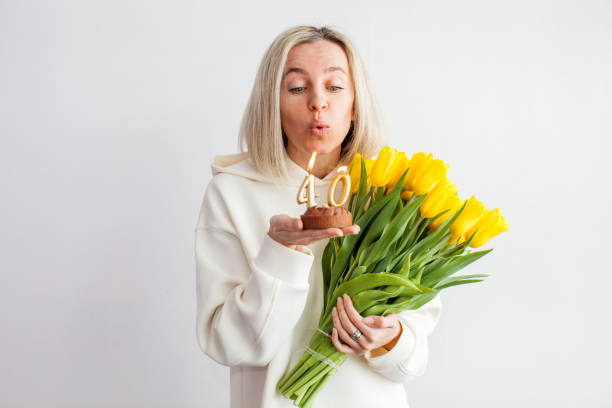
(110, 113)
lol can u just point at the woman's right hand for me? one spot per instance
(289, 231)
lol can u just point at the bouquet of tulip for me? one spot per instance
(415, 233)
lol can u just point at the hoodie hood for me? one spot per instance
(241, 165)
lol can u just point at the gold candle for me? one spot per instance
(307, 194)
(343, 176)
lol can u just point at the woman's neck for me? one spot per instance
(324, 163)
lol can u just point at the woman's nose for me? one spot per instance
(318, 102)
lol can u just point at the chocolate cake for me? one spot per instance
(326, 217)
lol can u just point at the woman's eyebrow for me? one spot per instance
(301, 71)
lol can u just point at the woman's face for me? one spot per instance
(317, 86)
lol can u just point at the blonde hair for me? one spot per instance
(261, 132)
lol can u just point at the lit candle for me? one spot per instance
(343, 176)
(307, 192)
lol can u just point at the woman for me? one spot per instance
(259, 283)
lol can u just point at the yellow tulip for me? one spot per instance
(492, 223)
(432, 173)
(425, 173)
(442, 197)
(473, 210)
(399, 167)
(451, 201)
(355, 171)
(369, 163)
(407, 195)
(383, 166)
(416, 163)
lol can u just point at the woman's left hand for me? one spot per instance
(376, 331)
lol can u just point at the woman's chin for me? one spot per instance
(322, 146)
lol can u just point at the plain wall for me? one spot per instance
(110, 113)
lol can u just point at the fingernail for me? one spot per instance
(358, 229)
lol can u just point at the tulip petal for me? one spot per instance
(416, 164)
(431, 174)
(400, 165)
(450, 202)
(440, 198)
(473, 211)
(355, 172)
(381, 172)
(491, 225)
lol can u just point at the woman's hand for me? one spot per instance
(289, 231)
(376, 331)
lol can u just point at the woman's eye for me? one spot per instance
(336, 88)
(296, 90)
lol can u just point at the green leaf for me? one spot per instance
(459, 282)
(410, 235)
(363, 186)
(418, 301)
(467, 243)
(368, 298)
(382, 265)
(372, 233)
(393, 230)
(380, 192)
(401, 304)
(363, 206)
(370, 281)
(437, 235)
(457, 278)
(360, 270)
(326, 265)
(455, 264)
(417, 278)
(404, 271)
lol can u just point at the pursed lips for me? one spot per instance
(318, 124)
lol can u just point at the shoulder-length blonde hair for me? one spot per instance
(261, 132)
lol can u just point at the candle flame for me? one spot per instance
(311, 162)
(342, 169)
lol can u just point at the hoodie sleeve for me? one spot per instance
(246, 307)
(408, 359)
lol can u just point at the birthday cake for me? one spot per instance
(326, 217)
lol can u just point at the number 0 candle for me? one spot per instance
(343, 176)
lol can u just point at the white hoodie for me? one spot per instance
(259, 302)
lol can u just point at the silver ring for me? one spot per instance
(356, 336)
